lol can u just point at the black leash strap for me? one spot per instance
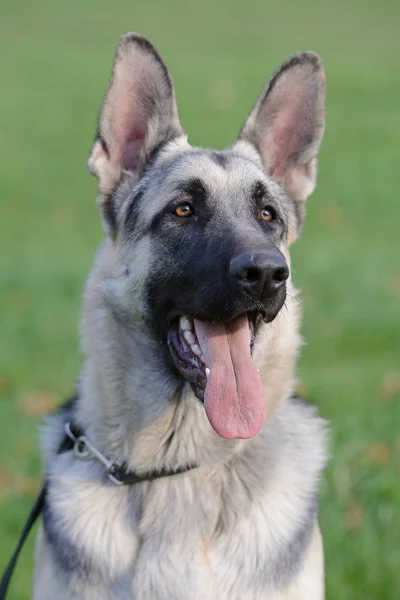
(35, 513)
(37, 508)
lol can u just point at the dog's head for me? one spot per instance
(202, 237)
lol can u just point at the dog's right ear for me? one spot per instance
(138, 114)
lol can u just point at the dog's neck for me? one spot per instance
(135, 408)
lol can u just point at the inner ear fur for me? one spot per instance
(287, 125)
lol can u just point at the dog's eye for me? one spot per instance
(183, 210)
(267, 214)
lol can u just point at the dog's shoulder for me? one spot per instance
(302, 424)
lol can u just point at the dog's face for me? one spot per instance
(202, 236)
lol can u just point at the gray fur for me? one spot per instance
(243, 523)
(68, 558)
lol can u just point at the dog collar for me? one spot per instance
(119, 475)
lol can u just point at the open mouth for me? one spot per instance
(216, 358)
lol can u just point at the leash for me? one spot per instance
(75, 440)
(34, 514)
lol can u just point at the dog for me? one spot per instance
(191, 333)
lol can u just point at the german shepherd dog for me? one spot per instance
(190, 332)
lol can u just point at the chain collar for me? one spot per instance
(118, 474)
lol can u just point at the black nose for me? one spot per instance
(260, 273)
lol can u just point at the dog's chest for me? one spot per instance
(207, 536)
(203, 542)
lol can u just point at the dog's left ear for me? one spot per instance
(287, 125)
(139, 113)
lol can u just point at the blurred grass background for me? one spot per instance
(54, 65)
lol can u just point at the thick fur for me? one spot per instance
(243, 523)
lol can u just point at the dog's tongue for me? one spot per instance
(234, 398)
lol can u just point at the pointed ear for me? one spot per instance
(139, 113)
(287, 125)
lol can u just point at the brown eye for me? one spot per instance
(184, 210)
(267, 214)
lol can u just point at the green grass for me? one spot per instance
(55, 61)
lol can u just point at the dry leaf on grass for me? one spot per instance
(331, 216)
(28, 486)
(379, 453)
(19, 299)
(14, 485)
(395, 286)
(6, 481)
(23, 447)
(354, 516)
(5, 384)
(390, 385)
(37, 404)
(397, 446)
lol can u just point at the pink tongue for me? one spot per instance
(234, 398)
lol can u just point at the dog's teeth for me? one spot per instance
(202, 358)
(196, 350)
(189, 337)
(208, 372)
(185, 324)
